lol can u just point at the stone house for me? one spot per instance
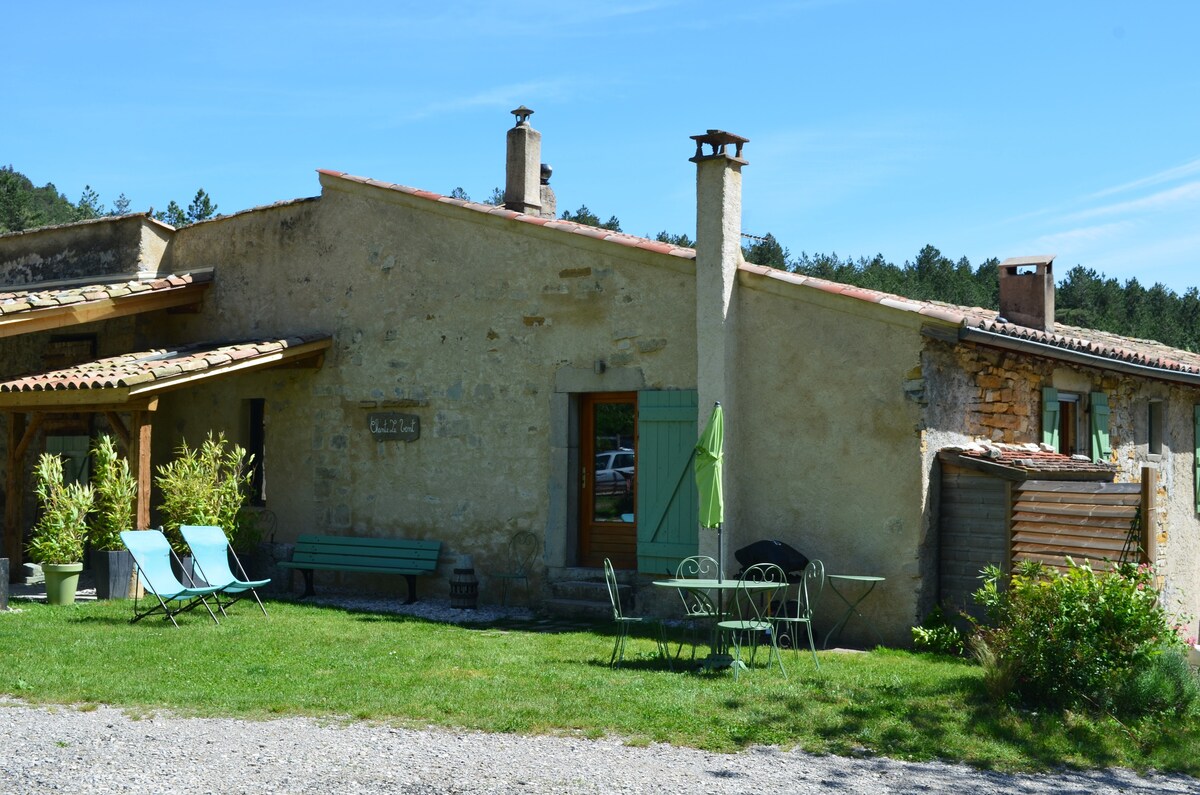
(403, 363)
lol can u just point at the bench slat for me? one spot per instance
(403, 556)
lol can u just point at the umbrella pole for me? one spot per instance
(720, 553)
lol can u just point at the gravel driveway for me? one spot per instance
(51, 749)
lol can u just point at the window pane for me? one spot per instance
(614, 472)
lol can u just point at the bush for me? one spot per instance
(1072, 639)
(116, 496)
(59, 533)
(938, 635)
(1166, 684)
(204, 486)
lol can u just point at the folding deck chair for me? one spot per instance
(211, 552)
(152, 555)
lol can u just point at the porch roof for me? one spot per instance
(132, 378)
(48, 306)
(1028, 462)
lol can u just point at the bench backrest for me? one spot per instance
(387, 553)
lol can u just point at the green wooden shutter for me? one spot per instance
(1196, 454)
(667, 506)
(1050, 416)
(1101, 449)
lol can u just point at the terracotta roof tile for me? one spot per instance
(1034, 459)
(132, 369)
(13, 302)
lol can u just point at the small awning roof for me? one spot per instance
(43, 307)
(132, 379)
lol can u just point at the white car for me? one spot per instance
(614, 471)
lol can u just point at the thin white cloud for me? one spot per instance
(507, 95)
(1167, 175)
(1165, 200)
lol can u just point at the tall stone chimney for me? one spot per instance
(718, 254)
(1027, 298)
(523, 168)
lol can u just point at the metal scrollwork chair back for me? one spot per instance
(522, 549)
(751, 617)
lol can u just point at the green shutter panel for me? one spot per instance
(1050, 416)
(1101, 449)
(1196, 454)
(667, 506)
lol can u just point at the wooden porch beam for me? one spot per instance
(49, 318)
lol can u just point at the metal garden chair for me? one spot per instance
(624, 622)
(750, 618)
(699, 610)
(522, 548)
(152, 556)
(791, 615)
(211, 552)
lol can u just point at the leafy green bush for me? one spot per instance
(1166, 684)
(204, 486)
(938, 635)
(1076, 638)
(61, 528)
(116, 496)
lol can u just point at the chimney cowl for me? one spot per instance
(1027, 297)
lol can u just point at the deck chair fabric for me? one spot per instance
(152, 556)
(210, 551)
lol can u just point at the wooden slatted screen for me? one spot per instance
(1053, 520)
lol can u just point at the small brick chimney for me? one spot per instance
(1027, 298)
(523, 168)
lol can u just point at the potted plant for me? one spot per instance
(203, 486)
(61, 528)
(116, 500)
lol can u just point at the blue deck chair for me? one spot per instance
(152, 556)
(211, 551)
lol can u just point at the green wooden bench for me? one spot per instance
(372, 555)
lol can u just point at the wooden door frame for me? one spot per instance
(587, 458)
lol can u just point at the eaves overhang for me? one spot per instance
(135, 379)
(44, 307)
(1034, 347)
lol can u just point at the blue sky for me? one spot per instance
(985, 129)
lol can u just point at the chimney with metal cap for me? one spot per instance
(718, 254)
(1027, 297)
(523, 172)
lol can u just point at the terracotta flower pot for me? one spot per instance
(62, 580)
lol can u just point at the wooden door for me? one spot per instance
(608, 479)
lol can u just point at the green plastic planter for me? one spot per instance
(62, 580)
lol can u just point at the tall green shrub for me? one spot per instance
(116, 496)
(206, 485)
(61, 527)
(1075, 638)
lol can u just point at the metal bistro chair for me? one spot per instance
(698, 607)
(522, 548)
(751, 616)
(624, 622)
(790, 615)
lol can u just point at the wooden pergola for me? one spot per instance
(126, 386)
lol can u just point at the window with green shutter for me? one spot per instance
(1050, 416)
(1196, 455)
(1101, 448)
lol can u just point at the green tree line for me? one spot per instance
(24, 205)
(1083, 297)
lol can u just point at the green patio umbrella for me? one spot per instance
(708, 477)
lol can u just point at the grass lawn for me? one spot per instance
(326, 662)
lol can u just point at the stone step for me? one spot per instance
(578, 608)
(584, 590)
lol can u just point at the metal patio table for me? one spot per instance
(870, 582)
(717, 658)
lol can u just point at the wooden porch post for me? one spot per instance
(139, 437)
(19, 436)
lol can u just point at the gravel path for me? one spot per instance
(104, 751)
